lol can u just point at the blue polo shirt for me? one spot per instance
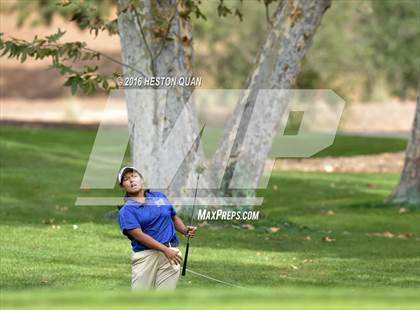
(153, 217)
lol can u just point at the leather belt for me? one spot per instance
(171, 244)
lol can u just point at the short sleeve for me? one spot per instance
(173, 211)
(171, 207)
(127, 220)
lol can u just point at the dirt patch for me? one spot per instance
(385, 162)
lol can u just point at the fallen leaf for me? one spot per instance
(388, 234)
(294, 267)
(328, 239)
(402, 210)
(405, 236)
(307, 238)
(330, 212)
(248, 226)
(274, 229)
(203, 224)
(328, 168)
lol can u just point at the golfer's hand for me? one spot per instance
(191, 231)
(173, 256)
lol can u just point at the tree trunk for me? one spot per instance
(408, 189)
(277, 67)
(157, 41)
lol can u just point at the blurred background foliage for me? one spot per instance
(366, 50)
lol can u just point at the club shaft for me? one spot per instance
(184, 266)
(193, 208)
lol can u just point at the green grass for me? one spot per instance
(286, 298)
(344, 145)
(42, 266)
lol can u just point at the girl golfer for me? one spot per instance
(150, 222)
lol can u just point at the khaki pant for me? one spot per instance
(152, 270)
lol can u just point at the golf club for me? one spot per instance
(199, 171)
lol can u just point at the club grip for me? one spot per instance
(184, 266)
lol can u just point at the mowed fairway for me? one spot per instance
(338, 246)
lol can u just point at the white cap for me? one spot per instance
(123, 171)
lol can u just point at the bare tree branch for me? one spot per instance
(115, 61)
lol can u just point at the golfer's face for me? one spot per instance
(132, 182)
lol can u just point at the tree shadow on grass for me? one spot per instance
(308, 200)
(316, 190)
(304, 197)
(384, 205)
